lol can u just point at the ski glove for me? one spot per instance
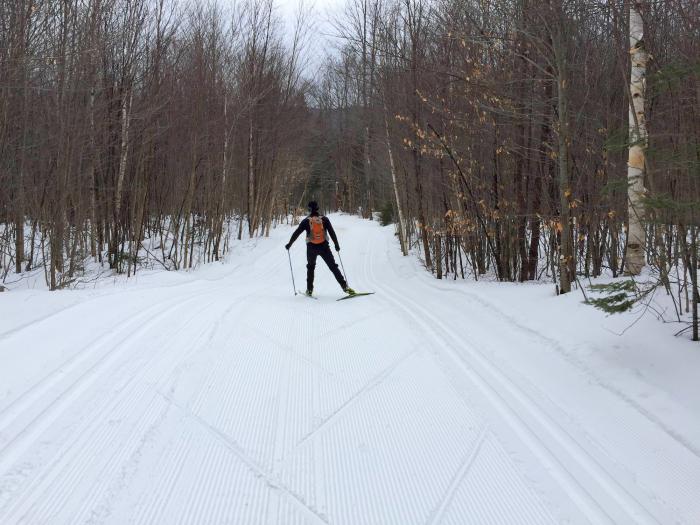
(337, 247)
(288, 245)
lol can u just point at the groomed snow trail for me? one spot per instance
(223, 398)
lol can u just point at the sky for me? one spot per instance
(320, 39)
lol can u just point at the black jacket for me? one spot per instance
(305, 226)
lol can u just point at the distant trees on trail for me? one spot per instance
(524, 139)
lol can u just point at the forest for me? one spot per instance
(518, 140)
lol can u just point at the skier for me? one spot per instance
(317, 228)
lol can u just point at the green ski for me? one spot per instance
(357, 294)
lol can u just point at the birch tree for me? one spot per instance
(634, 256)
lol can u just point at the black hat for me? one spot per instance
(313, 206)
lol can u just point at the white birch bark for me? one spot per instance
(225, 161)
(126, 108)
(93, 178)
(634, 256)
(399, 210)
(252, 222)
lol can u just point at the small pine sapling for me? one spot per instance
(386, 216)
(618, 297)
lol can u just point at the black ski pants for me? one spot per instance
(324, 251)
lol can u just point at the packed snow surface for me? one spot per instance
(218, 396)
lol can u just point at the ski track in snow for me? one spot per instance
(495, 385)
(632, 431)
(229, 400)
(554, 346)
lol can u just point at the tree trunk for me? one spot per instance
(392, 167)
(224, 168)
(565, 247)
(694, 277)
(124, 150)
(251, 178)
(634, 255)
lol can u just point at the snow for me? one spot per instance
(217, 396)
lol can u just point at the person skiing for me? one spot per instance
(318, 228)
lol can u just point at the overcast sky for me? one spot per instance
(320, 40)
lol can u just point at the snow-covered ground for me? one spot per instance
(217, 396)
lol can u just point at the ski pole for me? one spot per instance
(343, 267)
(292, 270)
